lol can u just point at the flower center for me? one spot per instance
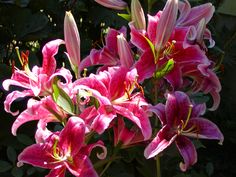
(183, 125)
(61, 156)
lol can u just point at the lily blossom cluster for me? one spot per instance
(165, 59)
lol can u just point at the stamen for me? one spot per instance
(139, 87)
(55, 149)
(169, 49)
(18, 55)
(188, 117)
(25, 59)
(85, 72)
(127, 90)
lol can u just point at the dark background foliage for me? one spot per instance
(29, 24)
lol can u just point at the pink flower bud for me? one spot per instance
(124, 51)
(72, 41)
(137, 15)
(166, 23)
(113, 4)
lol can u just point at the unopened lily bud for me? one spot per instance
(72, 41)
(137, 15)
(113, 4)
(124, 52)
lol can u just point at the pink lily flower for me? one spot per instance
(63, 150)
(113, 89)
(113, 4)
(44, 110)
(116, 52)
(72, 41)
(190, 63)
(38, 81)
(196, 19)
(180, 121)
(127, 137)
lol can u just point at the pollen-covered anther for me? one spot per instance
(127, 90)
(85, 72)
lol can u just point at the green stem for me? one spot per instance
(229, 42)
(158, 163)
(158, 166)
(106, 167)
(116, 150)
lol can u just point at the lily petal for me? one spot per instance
(166, 24)
(58, 172)
(159, 110)
(37, 156)
(49, 51)
(103, 120)
(72, 136)
(81, 167)
(159, 143)
(205, 129)
(12, 97)
(191, 16)
(137, 116)
(177, 107)
(187, 151)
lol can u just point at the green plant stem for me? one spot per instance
(113, 157)
(157, 158)
(158, 166)
(105, 169)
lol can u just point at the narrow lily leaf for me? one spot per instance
(11, 154)
(4, 166)
(62, 99)
(165, 69)
(125, 16)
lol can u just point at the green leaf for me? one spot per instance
(17, 172)
(31, 171)
(199, 98)
(4, 166)
(24, 139)
(11, 154)
(62, 99)
(228, 7)
(209, 169)
(198, 144)
(125, 16)
(165, 69)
